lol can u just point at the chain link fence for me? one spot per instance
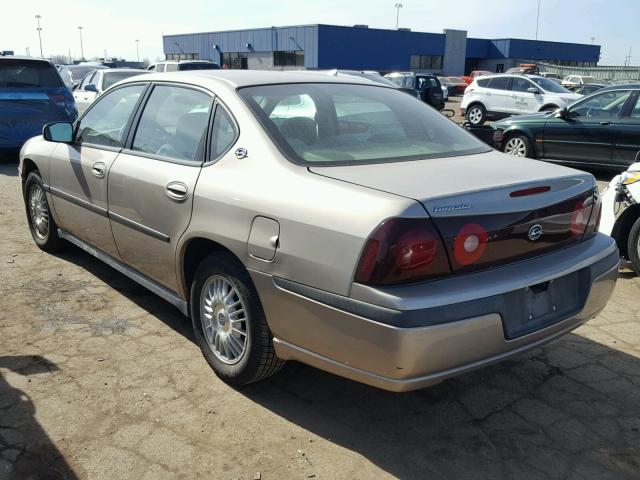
(599, 72)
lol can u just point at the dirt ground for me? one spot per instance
(99, 379)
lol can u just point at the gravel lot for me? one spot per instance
(100, 379)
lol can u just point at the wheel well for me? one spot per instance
(474, 104)
(550, 106)
(513, 133)
(621, 229)
(195, 251)
(28, 166)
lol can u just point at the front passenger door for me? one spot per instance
(626, 148)
(151, 183)
(79, 170)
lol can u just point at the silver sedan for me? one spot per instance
(328, 220)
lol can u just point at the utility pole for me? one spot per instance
(593, 39)
(81, 47)
(627, 59)
(138, 49)
(70, 59)
(538, 19)
(38, 17)
(397, 6)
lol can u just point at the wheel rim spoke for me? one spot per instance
(224, 319)
(39, 211)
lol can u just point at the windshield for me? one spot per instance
(111, 78)
(331, 123)
(549, 85)
(26, 73)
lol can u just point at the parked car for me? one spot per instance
(621, 214)
(97, 82)
(458, 84)
(589, 88)
(180, 65)
(624, 82)
(551, 76)
(32, 94)
(500, 96)
(426, 84)
(575, 81)
(475, 74)
(337, 238)
(73, 74)
(524, 69)
(601, 130)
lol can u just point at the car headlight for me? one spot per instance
(628, 178)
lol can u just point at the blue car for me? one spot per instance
(32, 94)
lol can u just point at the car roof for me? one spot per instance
(232, 79)
(20, 57)
(123, 69)
(628, 86)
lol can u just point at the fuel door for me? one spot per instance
(263, 238)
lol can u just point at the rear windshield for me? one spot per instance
(26, 74)
(111, 78)
(77, 74)
(198, 66)
(331, 123)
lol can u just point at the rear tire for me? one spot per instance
(41, 223)
(229, 323)
(518, 146)
(633, 246)
(476, 114)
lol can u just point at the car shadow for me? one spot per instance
(571, 408)
(8, 165)
(26, 451)
(537, 416)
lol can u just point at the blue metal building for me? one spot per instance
(363, 48)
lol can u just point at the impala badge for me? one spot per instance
(535, 232)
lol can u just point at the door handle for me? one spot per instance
(605, 123)
(177, 190)
(98, 169)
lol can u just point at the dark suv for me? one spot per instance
(426, 84)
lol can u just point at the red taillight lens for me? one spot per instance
(580, 217)
(596, 213)
(402, 250)
(469, 244)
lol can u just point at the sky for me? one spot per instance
(115, 25)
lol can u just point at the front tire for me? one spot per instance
(41, 223)
(518, 146)
(477, 114)
(229, 324)
(633, 246)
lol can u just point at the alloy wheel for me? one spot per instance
(475, 115)
(224, 319)
(39, 211)
(516, 147)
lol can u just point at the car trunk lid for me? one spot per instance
(490, 209)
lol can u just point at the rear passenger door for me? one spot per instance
(152, 181)
(497, 96)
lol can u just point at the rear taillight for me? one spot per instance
(469, 244)
(594, 218)
(402, 250)
(56, 97)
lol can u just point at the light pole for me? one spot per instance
(81, 47)
(38, 17)
(538, 19)
(593, 39)
(138, 49)
(397, 6)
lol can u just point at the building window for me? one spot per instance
(288, 58)
(235, 60)
(183, 56)
(426, 62)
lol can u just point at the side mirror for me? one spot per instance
(61, 132)
(533, 90)
(90, 87)
(564, 113)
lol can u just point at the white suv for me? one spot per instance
(500, 96)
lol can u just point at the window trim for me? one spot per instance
(202, 146)
(509, 82)
(625, 106)
(127, 126)
(209, 160)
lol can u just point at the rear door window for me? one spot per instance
(499, 83)
(172, 67)
(28, 74)
(173, 122)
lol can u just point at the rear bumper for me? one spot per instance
(443, 333)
